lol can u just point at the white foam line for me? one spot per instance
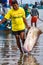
(5, 39)
(9, 58)
(7, 62)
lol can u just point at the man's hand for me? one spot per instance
(0, 22)
(37, 16)
(3, 20)
(29, 28)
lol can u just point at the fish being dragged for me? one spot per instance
(31, 39)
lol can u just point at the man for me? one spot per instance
(10, 2)
(27, 10)
(18, 21)
(34, 15)
(4, 3)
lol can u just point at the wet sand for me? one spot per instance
(10, 54)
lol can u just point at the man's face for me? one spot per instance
(15, 6)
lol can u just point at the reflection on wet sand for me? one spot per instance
(27, 60)
(22, 60)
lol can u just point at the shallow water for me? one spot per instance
(10, 54)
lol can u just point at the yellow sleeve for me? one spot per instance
(8, 15)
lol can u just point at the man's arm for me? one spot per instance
(26, 23)
(3, 20)
(24, 19)
(37, 13)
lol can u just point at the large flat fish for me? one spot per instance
(31, 39)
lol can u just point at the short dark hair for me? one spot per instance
(34, 6)
(14, 2)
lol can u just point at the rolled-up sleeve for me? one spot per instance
(8, 15)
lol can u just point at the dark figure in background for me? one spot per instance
(41, 3)
(34, 15)
(4, 3)
(27, 10)
(0, 1)
(35, 4)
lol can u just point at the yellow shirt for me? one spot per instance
(16, 18)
